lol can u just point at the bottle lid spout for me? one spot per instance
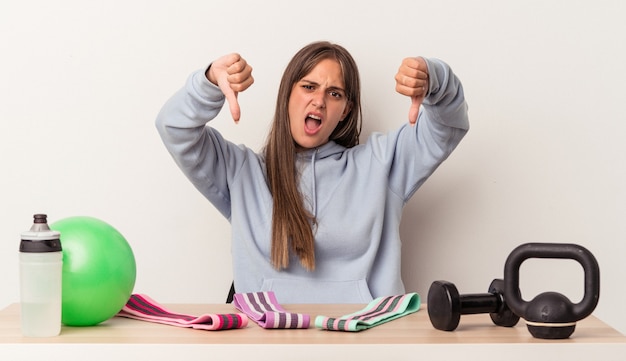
(40, 238)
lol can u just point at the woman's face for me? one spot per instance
(317, 104)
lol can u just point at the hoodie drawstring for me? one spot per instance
(313, 185)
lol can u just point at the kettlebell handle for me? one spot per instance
(557, 251)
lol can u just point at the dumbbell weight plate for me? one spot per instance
(444, 305)
(504, 316)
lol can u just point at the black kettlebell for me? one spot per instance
(551, 315)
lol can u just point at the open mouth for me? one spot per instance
(312, 123)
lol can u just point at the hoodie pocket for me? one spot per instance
(318, 291)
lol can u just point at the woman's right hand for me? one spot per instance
(232, 74)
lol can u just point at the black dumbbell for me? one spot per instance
(445, 305)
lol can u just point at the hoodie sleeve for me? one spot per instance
(413, 153)
(204, 156)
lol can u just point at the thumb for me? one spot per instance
(414, 110)
(233, 105)
(231, 98)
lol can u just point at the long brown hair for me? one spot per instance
(291, 222)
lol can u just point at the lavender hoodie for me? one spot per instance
(356, 194)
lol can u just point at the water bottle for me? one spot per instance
(41, 269)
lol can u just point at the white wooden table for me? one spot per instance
(412, 336)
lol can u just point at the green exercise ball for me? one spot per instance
(99, 270)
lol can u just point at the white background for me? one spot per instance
(82, 81)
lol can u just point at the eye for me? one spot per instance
(308, 86)
(335, 94)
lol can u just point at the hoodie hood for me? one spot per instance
(327, 150)
(306, 161)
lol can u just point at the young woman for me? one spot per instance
(315, 216)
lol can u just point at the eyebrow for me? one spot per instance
(317, 84)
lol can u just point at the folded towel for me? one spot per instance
(264, 309)
(377, 312)
(142, 307)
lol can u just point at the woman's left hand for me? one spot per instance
(412, 81)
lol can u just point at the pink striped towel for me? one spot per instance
(142, 307)
(264, 309)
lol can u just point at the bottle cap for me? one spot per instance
(40, 238)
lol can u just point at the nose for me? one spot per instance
(319, 98)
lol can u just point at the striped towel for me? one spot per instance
(264, 309)
(142, 307)
(377, 312)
